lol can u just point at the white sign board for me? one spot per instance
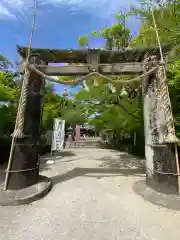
(58, 135)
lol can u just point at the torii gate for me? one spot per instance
(162, 166)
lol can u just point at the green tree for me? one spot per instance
(110, 113)
(83, 41)
(56, 106)
(9, 94)
(167, 17)
(116, 36)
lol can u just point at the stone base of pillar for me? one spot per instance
(158, 198)
(25, 195)
(163, 183)
(163, 177)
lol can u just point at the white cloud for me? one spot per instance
(101, 8)
(4, 12)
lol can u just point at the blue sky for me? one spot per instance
(59, 23)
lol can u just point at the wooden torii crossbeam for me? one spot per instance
(103, 61)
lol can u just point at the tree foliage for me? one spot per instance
(110, 116)
(167, 17)
(116, 36)
(55, 106)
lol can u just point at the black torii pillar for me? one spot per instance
(24, 167)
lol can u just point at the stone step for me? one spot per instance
(84, 144)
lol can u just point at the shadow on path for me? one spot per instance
(157, 198)
(122, 160)
(77, 172)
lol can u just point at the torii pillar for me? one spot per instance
(162, 164)
(23, 183)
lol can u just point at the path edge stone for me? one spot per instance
(27, 195)
(157, 198)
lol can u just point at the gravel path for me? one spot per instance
(92, 198)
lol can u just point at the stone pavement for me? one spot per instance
(92, 198)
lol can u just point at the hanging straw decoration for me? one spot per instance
(95, 84)
(112, 88)
(123, 92)
(85, 86)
